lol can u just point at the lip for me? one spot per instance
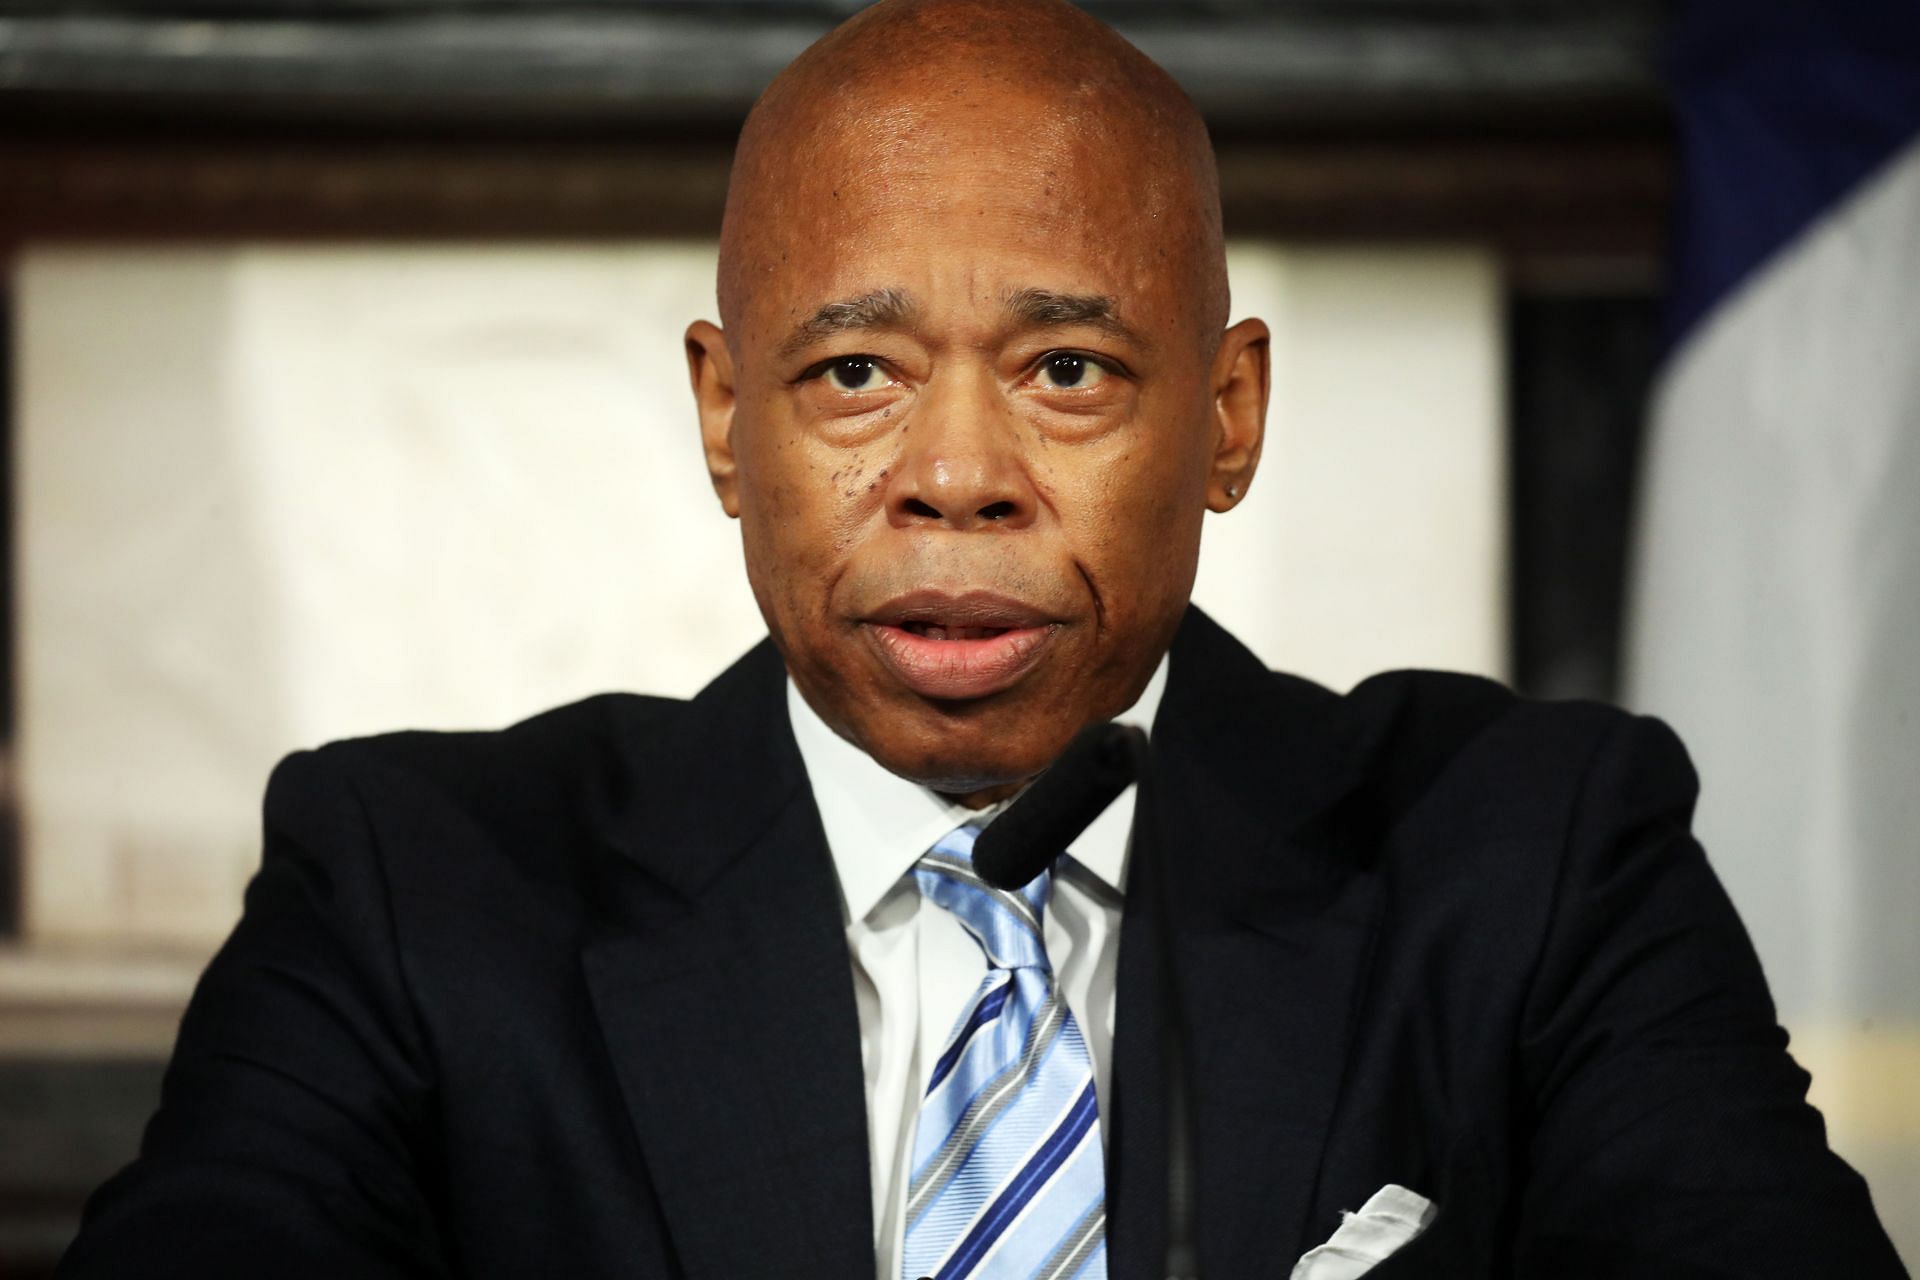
(959, 669)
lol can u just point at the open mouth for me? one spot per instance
(945, 631)
(957, 646)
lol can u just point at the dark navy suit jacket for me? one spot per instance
(574, 999)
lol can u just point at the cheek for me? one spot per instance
(1157, 543)
(775, 514)
(1135, 520)
(1131, 488)
(853, 492)
(803, 509)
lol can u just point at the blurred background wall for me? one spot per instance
(344, 374)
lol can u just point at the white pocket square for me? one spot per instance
(1365, 1239)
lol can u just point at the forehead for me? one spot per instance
(970, 195)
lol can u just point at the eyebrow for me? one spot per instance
(892, 308)
(881, 309)
(1045, 309)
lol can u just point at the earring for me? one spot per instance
(1233, 491)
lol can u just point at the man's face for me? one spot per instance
(970, 420)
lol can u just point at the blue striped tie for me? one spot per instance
(1009, 1177)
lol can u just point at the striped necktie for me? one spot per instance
(1009, 1174)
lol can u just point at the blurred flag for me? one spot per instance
(1776, 596)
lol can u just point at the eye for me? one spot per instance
(1070, 371)
(852, 373)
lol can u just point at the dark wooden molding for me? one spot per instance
(1532, 126)
(596, 64)
(200, 189)
(1524, 197)
(1592, 196)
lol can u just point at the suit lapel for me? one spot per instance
(1270, 983)
(726, 1003)
(1273, 922)
(1137, 1120)
(721, 980)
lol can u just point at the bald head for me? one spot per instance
(909, 95)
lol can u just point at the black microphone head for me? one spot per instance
(1096, 767)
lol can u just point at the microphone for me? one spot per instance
(1095, 768)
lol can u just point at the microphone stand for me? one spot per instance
(1181, 1260)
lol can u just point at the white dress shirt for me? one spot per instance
(916, 969)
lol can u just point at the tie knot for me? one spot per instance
(1007, 924)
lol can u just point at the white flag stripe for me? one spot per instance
(1776, 624)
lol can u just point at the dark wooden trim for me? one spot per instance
(641, 61)
(188, 188)
(1524, 195)
(12, 872)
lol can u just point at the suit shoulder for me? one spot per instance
(545, 763)
(1450, 710)
(522, 814)
(1426, 736)
(555, 735)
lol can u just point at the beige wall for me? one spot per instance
(273, 496)
(1375, 534)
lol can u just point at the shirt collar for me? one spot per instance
(878, 824)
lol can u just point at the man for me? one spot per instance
(644, 988)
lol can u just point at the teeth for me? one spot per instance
(940, 631)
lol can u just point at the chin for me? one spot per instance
(953, 778)
(964, 755)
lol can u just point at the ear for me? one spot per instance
(710, 365)
(1240, 384)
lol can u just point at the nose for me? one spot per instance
(962, 464)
